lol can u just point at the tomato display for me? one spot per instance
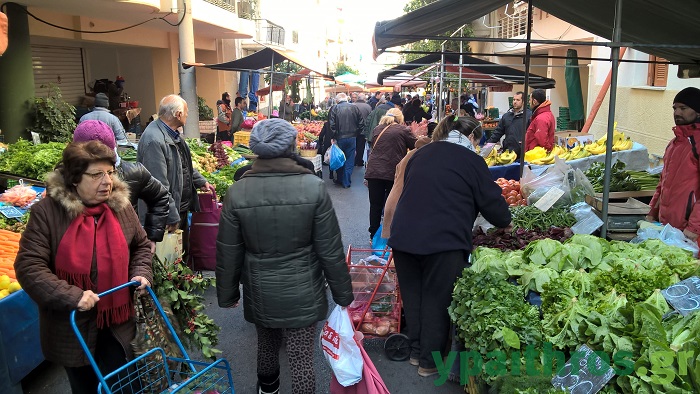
(510, 190)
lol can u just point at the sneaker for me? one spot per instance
(413, 361)
(426, 372)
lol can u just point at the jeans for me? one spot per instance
(378, 192)
(348, 146)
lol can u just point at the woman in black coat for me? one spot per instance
(413, 112)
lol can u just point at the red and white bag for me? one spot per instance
(339, 347)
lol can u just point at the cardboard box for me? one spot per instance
(571, 138)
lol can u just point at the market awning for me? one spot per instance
(262, 59)
(399, 80)
(644, 24)
(477, 70)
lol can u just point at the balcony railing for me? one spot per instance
(269, 33)
(244, 8)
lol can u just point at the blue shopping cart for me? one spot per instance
(151, 373)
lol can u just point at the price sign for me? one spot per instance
(11, 212)
(549, 198)
(584, 373)
(684, 296)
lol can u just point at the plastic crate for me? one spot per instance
(241, 137)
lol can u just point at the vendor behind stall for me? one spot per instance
(101, 113)
(541, 129)
(676, 199)
(511, 125)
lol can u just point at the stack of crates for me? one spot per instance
(241, 138)
(563, 119)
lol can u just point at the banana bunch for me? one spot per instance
(506, 157)
(313, 112)
(535, 153)
(492, 158)
(578, 152)
(549, 159)
(595, 148)
(622, 144)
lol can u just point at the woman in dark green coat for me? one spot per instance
(280, 238)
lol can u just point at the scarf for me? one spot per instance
(458, 138)
(97, 234)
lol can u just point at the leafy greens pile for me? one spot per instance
(25, 159)
(603, 294)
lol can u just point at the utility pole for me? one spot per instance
(188, 82)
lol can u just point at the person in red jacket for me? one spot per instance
(676, 199)
(541, 129)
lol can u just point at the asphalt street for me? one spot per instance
(238, 340)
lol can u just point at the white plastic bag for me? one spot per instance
(669, 235)
(340, 348)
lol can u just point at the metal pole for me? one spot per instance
(188, 82)
(614, 56)
(459, 95)
(272, 77)
(442, 83)
(527, 83)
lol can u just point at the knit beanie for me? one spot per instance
(396, 99)
(272, 138)
(539, 95)
(689, 97)
(101, 100)
(89, 130)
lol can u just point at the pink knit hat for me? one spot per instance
(89, 130)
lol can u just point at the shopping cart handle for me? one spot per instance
(112, 290)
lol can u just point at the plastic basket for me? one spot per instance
(241, 137)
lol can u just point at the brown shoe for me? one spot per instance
(426, 372)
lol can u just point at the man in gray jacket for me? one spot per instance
(365, 109)
(346, 124)
(165, 154)
(102, 113)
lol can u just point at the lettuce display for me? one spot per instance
(25, 159)
(602, 294)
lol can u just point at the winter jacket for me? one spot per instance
(414, 113)
(147, 188)
(397, 188)
(279, 237)
(324, 139)
(388, 151)
(35, 266)
(365, 109)
(676, 199)
(159, 154)
(223, 118)
(511, 124)
(540, 132)
(445, 187)
(345, 120)
(103, 115)
(236, 120)
(373, 101)
(374, 117)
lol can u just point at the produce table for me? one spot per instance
(20, 348)
(635, 159)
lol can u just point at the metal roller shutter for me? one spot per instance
(62, 66)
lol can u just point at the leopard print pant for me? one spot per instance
(300, 350)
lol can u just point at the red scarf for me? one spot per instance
(96, 233)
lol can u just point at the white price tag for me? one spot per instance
(549, 198)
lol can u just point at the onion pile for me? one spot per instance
(220, 153)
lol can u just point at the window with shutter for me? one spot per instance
(658, 73)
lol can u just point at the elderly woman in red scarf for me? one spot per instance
(84, 238)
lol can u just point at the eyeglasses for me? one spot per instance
(97, 176)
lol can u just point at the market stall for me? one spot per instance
(636, 158)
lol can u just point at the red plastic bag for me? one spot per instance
(203, 232)
(371, 382)
(248, 124)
